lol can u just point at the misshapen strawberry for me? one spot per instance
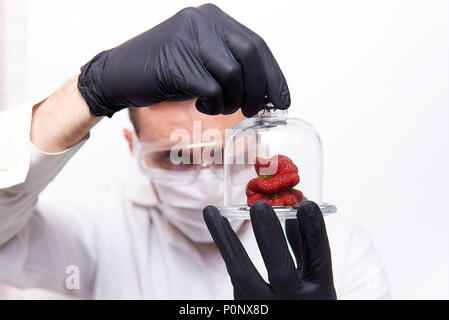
(285, 175)
(291, 197)
(276, 189)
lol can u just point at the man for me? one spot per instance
(153, 242)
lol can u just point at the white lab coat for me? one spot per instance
(120, 243)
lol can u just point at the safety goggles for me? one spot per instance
(178, 157)
(183, 163)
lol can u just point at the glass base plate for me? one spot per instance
(242, 212)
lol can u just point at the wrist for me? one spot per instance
(62, 120)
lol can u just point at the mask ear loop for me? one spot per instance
(137, 153)
(136, 148)
(136, 143)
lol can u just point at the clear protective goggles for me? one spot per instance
(184, 163)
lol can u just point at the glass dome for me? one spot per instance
(274, 158)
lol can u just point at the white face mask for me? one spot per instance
(206, 189)
(182, 202)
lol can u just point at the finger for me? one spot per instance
(277, 88)
(276, 85)
(238, 294)
(223, 66)
(254, 78)
(316, 253)
(199, 83)
(294, 238)
(244, 275)
(209, 95)
(273, 247)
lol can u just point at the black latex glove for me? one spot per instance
(198, 53)
(312, 279)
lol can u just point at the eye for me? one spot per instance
(161, 156)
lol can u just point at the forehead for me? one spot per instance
(156, 123)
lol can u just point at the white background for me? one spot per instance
(371, 76)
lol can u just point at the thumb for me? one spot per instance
(316, 252)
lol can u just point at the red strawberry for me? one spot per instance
(258, 197)
(276, 189)
(298, 194)
(283, 199)
(285, 177)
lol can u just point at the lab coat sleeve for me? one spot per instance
(41, 246)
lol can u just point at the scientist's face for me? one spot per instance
(157, 124)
